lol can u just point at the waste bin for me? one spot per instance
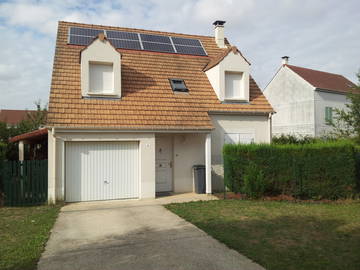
(199, 178)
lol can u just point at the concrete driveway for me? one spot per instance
(133, 235)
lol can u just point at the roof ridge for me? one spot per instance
(135, 29)
(218, 58)
(316, 70)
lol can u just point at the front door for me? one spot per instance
(164, 163)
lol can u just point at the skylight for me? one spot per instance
(178, 85)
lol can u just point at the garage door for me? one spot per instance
(101, 171)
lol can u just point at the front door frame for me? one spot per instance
(170, 162)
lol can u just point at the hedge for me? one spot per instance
(318, 171)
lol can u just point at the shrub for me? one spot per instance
(254, 184)
(317, 170)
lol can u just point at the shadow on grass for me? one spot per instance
(286, 242)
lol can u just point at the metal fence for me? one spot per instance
(24, 182)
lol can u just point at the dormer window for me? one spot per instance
(100, 70)
(101, 78)
(234, 87)
(178, 85)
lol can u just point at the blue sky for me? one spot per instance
(321, 34)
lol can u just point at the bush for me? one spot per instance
(317, 171)
(254, 184)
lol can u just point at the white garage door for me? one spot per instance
(101, 171)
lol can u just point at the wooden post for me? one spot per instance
(21, 150)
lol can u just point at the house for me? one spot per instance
(304, 99)
(14, 117)
(131, 111)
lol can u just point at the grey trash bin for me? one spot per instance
(199, 178)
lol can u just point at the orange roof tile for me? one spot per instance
(13, 117)
(148, 101)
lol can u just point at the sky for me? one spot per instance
(321, 34)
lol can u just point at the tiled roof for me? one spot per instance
(324, 80)
(36, 134)
(147, 99)
(13, 117)
(216, 60)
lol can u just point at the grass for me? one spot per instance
(282, 235)
(23, 234)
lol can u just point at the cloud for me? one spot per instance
(320, 34)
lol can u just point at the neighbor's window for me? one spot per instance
(101, 78)
(235, 138)
(328, 115)
(233, 85)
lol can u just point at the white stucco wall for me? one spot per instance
(100, 52)
(146, 155)
(293, 100)
(189, 150)
(259, 125)
(231, 63)
(322, 100)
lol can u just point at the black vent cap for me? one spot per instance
(219, 23)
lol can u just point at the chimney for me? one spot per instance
(285, 60)
(219, 33)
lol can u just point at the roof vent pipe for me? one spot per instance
(219, 33)
(285, 60)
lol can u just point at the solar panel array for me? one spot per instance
(138, 41)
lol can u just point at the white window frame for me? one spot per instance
(239, 95)
(104, 91)
(238, 137)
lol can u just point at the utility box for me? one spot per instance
(199, 178)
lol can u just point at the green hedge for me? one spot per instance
(319, 170)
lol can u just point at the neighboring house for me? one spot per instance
(14, 117)
(132, 111)
(305, 99)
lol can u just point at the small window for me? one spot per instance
(178, 85)
(233, 85)
(328, 115)
(236, 138)
(101, 78)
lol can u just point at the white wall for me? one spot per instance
(189, 150)
(293, 100)
(322, 100)
(231, 63)
(100, 52)
(56, 167)
(259, 125)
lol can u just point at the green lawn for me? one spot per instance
(23, 235)
(282, 235)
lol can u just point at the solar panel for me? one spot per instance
(158, 47)
(85, 31)
(125, 44)
(186, 41)
(122, 35)
(155, 38)
(190, 50)
(80, 40)
(130, 40)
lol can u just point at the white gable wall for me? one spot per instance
(231, 63)
(293, 100)
(326, 99)
(100, 52)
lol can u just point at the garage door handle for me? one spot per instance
(106, 182)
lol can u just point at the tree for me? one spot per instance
(34, 121)
(346, 123)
